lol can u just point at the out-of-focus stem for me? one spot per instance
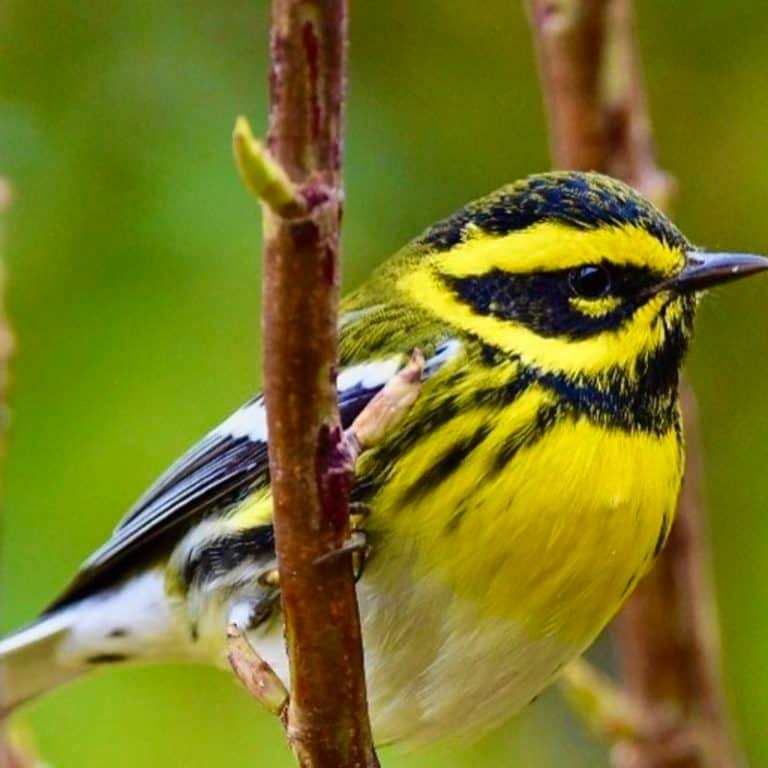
(667, 634)
(6, 337)
(606, 708)
(568, 37)
(12, 754)
(628, 136)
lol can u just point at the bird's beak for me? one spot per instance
(704, 269)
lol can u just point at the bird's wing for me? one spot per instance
(225, 466)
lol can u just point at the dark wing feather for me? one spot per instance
(220, 470)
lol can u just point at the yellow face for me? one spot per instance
(580, 301)
(537, 474)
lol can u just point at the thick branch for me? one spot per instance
(668, 635)
(327, 716)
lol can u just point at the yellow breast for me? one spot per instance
(554, 538)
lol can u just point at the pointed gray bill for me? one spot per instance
(704, 269)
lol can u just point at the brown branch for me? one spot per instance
(382, 413)
(668, 632)
(327, 719)
(631, 152)
(595, 93)
(568, 35)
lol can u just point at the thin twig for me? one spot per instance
(607, 709)
(389, 405)
(10, 757)
(12, 753)
(668, 634)
(254, 673)
(6, 336)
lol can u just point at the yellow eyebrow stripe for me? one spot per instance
(551, 245)
(621, 348)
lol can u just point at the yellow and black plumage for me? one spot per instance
(510, 512)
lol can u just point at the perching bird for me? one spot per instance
(510, 512)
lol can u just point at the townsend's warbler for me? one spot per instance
(509, 513)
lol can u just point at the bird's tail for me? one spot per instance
(132, 622)
(30, 662)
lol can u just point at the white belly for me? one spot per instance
(434, 667)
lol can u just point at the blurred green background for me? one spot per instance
(133, 260)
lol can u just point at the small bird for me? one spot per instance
(508, 514)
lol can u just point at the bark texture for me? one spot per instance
(326, 718)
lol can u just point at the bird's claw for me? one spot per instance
(357, 546)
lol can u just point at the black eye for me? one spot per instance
(590, 282)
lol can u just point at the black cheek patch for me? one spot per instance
(542, 301)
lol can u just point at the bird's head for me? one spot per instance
(573, 273)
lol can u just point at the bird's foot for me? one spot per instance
(357, 546)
